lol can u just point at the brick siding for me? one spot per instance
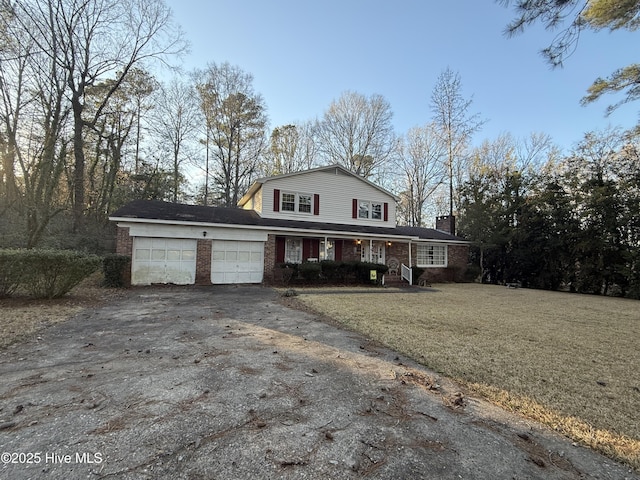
(350, 251)
(124, 242)
(203, 262)
(269, 259)
(458, 259)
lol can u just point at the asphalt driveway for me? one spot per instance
(230, 383)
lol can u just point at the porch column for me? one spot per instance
(325, 247)
(410, 265)
(370, 249)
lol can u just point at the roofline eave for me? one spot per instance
(298, 231)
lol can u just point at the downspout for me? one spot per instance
(410, 264)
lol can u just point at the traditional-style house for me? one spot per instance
(326, 213)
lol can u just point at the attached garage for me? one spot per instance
(237, 261)
(163, 260)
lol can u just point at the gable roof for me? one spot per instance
(166, 212)
(261, 181)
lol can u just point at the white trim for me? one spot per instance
(122, 222)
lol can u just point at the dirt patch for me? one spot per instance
(22, 317)
(226, 382)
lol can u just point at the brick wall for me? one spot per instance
(269, 258)
(203, 262)
(124, 243)
(458, 259)
(350, 251)
(399, 251)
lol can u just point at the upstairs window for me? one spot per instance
(370, 210)
(376, 211)
(298, 202)
(363, 211)
(304, 203)
(288, 202)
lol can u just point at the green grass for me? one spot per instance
(569, 361)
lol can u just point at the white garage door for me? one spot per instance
(236, 261)
(163, 260)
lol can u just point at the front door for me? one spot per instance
(372, 252)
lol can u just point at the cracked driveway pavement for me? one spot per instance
(230, 383)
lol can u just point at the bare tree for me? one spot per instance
(174, 124)
(113, 145)
(33, 132)
(93, 39)
(455, 124)
(292, 149)
(357, 133)
(236, 121)
(421, 164)
(535, 151)
(507, 154)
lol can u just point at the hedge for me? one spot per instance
(330, 271)
(44, 273)
(114, 268)
(11, 271)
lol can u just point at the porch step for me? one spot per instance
(395, 281)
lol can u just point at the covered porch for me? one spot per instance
(394, 252)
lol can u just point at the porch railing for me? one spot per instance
(407, 274)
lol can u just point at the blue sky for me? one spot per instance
(304, 54)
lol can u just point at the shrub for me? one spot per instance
(363, 272)
(11, 271)
(53, 273)
(114, 268)
(288, 272)
(416, 273)
(310, 271)
(348, 272)
(331, 270)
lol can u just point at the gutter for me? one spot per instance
(297, 231)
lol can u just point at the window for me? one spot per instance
(376, 211)
(363, 211)
(372, 210)
(304, 203)
(293, 250)
(296, 202)
(288, 202)
(330, 250)
(432, 255)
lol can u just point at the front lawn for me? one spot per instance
(569, 361)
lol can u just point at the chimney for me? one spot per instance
(446, 223)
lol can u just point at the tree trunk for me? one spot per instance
(78, 169)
